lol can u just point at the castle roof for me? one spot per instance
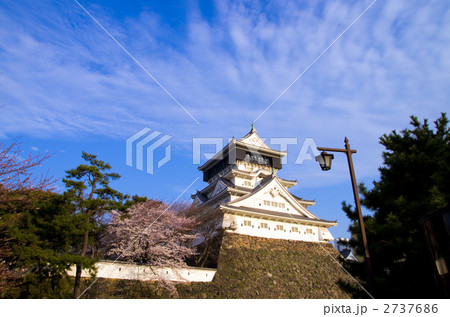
(272, 185)
(230, 188)
(250, 142)
(277, 215)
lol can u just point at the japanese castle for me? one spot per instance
(243, 183)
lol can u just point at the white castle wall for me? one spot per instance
(128, 271)
(255, 229)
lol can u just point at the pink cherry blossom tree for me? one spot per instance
(151, 233)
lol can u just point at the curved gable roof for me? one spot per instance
(254, 139)
(272, 183)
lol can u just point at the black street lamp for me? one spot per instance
(324, 160)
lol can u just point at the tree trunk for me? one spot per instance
(77, 287)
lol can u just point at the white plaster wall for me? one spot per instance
(325, 234)
(259, 203)
(127, 271)
(287, 233)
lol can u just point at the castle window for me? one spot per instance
(266, 203)
(248, 183)
(309, 231)
(264, 225)
(294, 229)
(247, 223)
(282, 205)
(279, 227)
(256, 158)
(274, 204)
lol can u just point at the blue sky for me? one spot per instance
(66, 86)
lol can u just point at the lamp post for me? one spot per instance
(324, 160)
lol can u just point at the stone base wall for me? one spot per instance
(252, 267)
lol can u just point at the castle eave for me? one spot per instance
(269, 151)
(278, 216)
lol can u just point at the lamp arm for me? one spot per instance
(328, 149)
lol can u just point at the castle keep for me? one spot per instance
(243, 183)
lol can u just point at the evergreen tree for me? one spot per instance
(20, 189)
(44, 238)
(414, 180)
(90, 194)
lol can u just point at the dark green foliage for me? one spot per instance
(92, 198)
(41, 237)
(88, 187)
(414, 180)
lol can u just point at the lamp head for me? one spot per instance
(324, 160)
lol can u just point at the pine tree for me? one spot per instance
(89, 192)
(414, 180)
(44, 238)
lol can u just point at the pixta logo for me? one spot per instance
(308, 150)
(146, 140)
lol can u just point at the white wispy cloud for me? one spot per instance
(63, 76)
